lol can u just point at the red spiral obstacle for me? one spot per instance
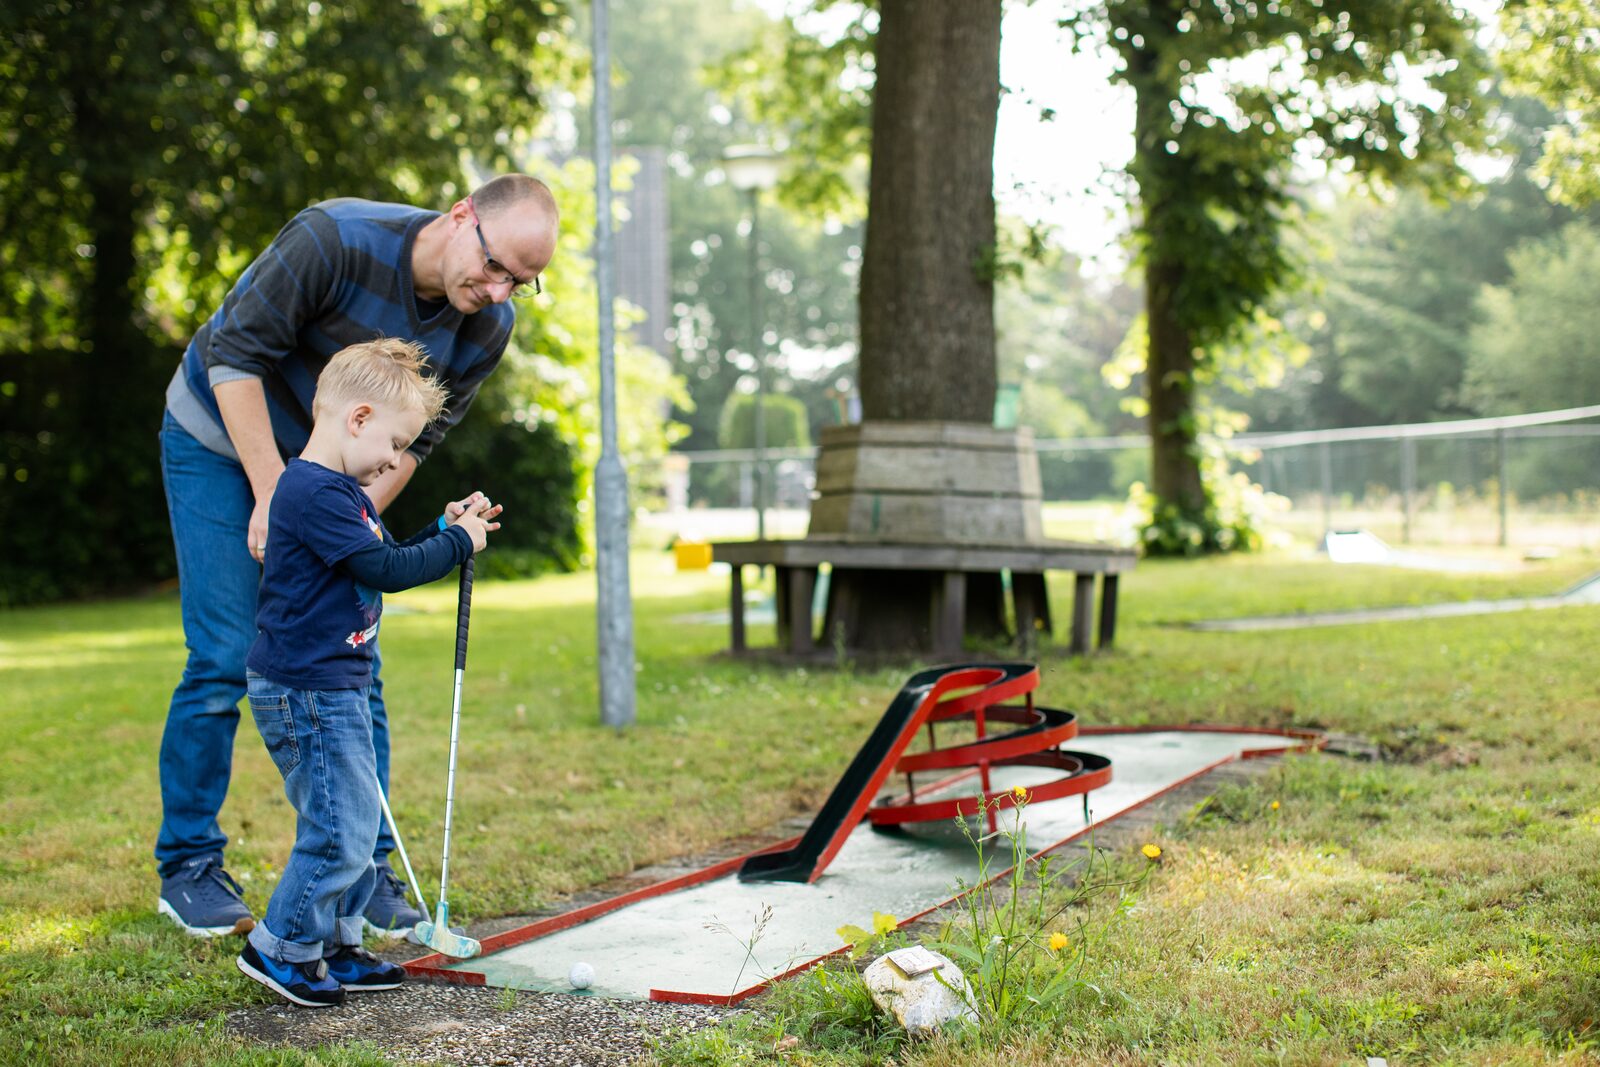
(972, 692)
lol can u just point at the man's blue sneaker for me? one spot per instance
(308, 984)
(359, 971)
(204, 900)
(388, 912)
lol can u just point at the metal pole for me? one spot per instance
(758, 349)
(614, 609)
(1500, 480)
(1325, 453)
(1408, 485)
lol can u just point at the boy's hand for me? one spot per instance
(476, 528)
(475, 516)
(486, 510)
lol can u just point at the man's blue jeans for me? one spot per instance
(209, 500)
(321, 742)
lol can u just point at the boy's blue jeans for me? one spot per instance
(209, 500)
(321, 741)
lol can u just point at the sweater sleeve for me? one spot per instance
(287, 285)
(389, 568)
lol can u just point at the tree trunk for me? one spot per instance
(118, 366)
(927, 290)
(1169, 372)
(1174, 452)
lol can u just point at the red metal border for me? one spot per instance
(1074, 783)
(1000, 746)
(429, 966)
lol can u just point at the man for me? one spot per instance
(240, 404)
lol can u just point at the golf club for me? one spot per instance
(400, 846)
(437, 934)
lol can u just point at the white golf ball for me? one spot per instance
(581, 976)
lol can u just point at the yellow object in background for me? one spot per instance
(692, 555)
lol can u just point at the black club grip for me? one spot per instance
(463, 614)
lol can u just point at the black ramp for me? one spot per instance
(872, 764)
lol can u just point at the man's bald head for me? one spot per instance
(514, 192)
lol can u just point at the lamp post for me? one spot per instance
(752, 168)
(614, 607)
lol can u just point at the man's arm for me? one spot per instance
(390, 482)
(243, 404)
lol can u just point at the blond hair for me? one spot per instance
(385, 371)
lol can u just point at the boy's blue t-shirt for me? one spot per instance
(316, 624)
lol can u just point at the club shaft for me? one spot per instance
(450, 784)
(400, 847)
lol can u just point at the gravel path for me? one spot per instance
(426, 1022)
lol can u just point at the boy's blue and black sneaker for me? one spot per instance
(309, 984)
(388, 912)
(204, 900)
(359, 971)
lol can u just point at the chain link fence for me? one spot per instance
(1523, 481)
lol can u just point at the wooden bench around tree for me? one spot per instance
(952, 571)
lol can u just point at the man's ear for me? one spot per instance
(358, 418)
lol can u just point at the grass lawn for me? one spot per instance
(1443, 905)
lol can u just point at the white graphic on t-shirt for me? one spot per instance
(362, 637)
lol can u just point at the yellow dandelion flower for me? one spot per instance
(1152, 851)
(1274, 805)
(1058, 941)
(1019, 793)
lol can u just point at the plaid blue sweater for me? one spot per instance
(338, 273)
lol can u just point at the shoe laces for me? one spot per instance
(394, 881)
(212, 870)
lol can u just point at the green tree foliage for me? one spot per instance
(1552, 51)
(816, 90)
(1537, 346)
(150, 150)
(1057, 329)
(681, 98)
(1391, 300)
(1229, 93)
(784, 423)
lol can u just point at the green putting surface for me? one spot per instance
(705, 939)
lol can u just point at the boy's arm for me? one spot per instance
(476, 503)
(392, 568)
(433, 529)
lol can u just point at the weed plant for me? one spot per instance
(1011, 938)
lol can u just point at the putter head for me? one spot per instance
(438, 936)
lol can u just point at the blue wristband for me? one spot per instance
(444, 521)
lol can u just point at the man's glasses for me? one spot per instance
(498, 271)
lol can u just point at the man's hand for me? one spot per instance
(477, 503)
(244, 413)
(256, 538)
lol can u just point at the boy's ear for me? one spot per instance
(359, 416)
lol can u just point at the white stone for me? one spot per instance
(922, 1005)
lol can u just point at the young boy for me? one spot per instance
(328, 562)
